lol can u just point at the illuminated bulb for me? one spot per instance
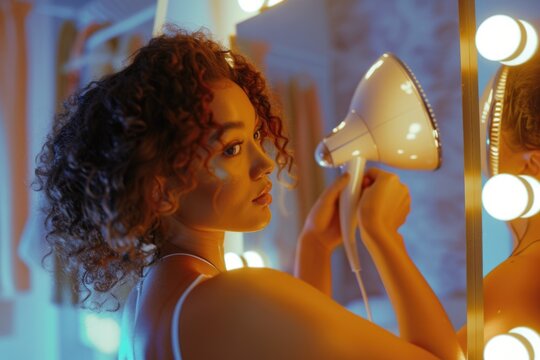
(507, 197)
(531, 336)
(498, 37)
(103, 333)
(233, 261)
(506, 346)
(250, 6)
(253, 259)
(530, 46)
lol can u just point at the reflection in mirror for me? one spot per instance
(510, 117)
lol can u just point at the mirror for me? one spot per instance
(508, 246)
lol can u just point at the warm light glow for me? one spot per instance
(102, 332)
(531, 46)
(534, 197)
(504, 347)
(250, 6)
(505, 197)
(273, 2)
(253, 259)
(532, 337)
(233, 261)
(498, 37)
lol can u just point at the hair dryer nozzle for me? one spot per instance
(323, 156)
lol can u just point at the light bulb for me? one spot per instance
(505, 197)
(533, 188)
(253, 259)
(531, 336)
(250, 6)
(500, 38)
(506, 346)
(531, 45)
(233, 261)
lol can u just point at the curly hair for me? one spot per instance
(99, 162)
(522, 104)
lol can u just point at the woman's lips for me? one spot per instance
(264, 199)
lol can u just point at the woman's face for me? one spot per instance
(237, 197)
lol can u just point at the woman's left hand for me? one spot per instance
(322, 223)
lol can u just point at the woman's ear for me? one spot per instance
(532, 166)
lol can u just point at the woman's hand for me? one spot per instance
(384, 204)
(322, 223)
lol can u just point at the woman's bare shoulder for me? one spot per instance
(268, 314)
(512, 295)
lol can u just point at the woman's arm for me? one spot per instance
(267, 314)
(421, 318)
(318, 239)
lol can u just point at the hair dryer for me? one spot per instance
(389, 121)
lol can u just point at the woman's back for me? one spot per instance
(149, 310)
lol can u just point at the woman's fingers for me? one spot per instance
(330, 195)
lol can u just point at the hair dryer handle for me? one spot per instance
(348, 204)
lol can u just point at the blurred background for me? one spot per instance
(313, 53)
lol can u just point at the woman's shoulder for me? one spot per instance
(512, 292)
(268, 314)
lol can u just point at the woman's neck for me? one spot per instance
(206, 244)
(526, 234)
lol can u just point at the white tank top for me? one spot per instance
(127, 352)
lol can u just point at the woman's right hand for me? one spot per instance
(384, 204)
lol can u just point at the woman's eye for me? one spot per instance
(257, 135)
(232, 150)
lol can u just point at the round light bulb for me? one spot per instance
(253, 259)
(250, 6)
(533, 196)
(498, 37)
(233, 261)
(532, 337)
(505, 197)
(504, 347)
(531, 45)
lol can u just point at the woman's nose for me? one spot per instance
(262, 164)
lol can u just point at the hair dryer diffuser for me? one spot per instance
(389, 121)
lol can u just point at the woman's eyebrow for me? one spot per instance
(227, 126)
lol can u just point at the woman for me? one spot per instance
(511, 291)
(146, 170)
